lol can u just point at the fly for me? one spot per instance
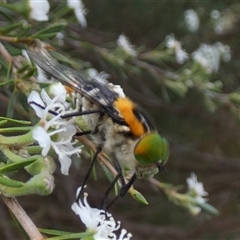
(119, 127)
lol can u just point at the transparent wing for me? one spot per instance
(95, 91)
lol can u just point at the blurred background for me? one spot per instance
(198, 116)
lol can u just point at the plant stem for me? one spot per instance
(22, 218)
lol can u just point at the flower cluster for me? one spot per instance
(223, 22)
(180, 54)
(39, 10)
(79, 10)
(197, 192)
(101, 223)
(123, 43)
(192, 20)
(52, 130)
(209, 56)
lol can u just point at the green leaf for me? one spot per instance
(21, 7)
(138, 196)
(10, 183)
(177, 87)
(29, 74)
(22, 122)
(49, 31)
(65, 235)
(6, 13)
(3, 122)
(15, 129)
(12, 27)
(23, 68)
(15, 166)
(208, 208)
(235, 97)
(4, 64)
(6, 82)
(107, 172)
(12, 102)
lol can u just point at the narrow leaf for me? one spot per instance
(10, 183)
(49, 31)
(15, 166)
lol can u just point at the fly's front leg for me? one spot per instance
(99, 113)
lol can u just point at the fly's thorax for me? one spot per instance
(90, 119)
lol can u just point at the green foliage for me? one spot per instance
(196, 103)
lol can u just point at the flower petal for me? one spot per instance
(43, 139)
(57, 89)
(39, 10)
(35, 97)
(65, 162)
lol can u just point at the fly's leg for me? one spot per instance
(124, 189)
(78, 134)
(106, 194)
(74, 114)
(125, 186)
(42, 107)
(99, 149)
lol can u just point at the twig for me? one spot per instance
(22, 218)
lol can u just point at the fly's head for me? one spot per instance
(151, 152)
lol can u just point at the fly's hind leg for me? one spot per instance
(124, 188)
(99, 149)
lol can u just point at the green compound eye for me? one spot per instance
(151, 148)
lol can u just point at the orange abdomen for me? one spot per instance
(125, 107)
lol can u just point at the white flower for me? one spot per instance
(53, 127)
(224, 51)
(57, 89)
(180, 54)
(123, 42)
(223, 22)
(196, 188)
(209, 56)
(101, 77)
(196, 193)
(192, 20)
(215, 14)
(39, 10)
(98, 221)
(79, 10)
